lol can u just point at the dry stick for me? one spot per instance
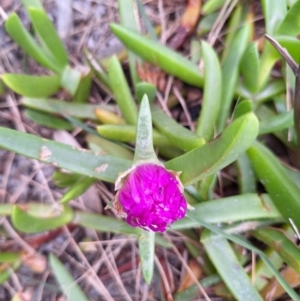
(164, 279)
(185, 109)
(190, 272)
(112, 268)
(213, 34)
(98, 284)
(295, 68)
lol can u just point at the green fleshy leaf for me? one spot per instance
(121, 91)
(50, 105)
(146, 248)
(98, 144)
(230, 270)
(127, 133)
(22, 37)
(68, 285)
(32, 86)
(276, 181)
(290, 25)
(246, 177)
(48, 36)
(84, 87)
(211, 6)
(230, 73)
(245, 244)
(157, 54)
(212, 93)
(9, 257)
(48, 120)
(29, 223)
(213, 156)
(243, 107)
(250, 68)
(104, 223)
(33, 3)
(144, 150)
(145, 88)
(231, 209)
(127, 17)
(274, 13)
(176, 133)
(77, 189)
(64, 179)
(276, 123)
(70, 80)
(82, 161)
(277, 240)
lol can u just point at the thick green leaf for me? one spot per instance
(250, 68)
(68, 285)
(84, 87)
(28, 223)
(276, 123)
(177, 134)
(230, 73)
(146, 20)
(206, 23)
(33, 3)
(48, 120)
(272, 89)
(98, 144)
(6, 209)
(168, 60)
(48, 36)
(249, 246)
(64, 179)
(231, 209)
(290, 25)
(146, 248)
(270, 55)
(236, 20)
(283, 191)
(145, 88)
(70, 79)
(121, 91)
(195, 47)
(6, 274)
(127, 133)
(213, 156)
(22, 37)
(230, 270)
(144, 150)
(32, 86)
(274, 13)
(279, 242)
(97, 69)
(192, 292)
(80, 161)
(245, 175)
(206, 187)
(243, 107)
(212, 93)
(77, 189)
(50, 105)
(104, 223)
(262, 274)
(9, 257)
(212, 5)
(127, 17)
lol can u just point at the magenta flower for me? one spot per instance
(150, 197)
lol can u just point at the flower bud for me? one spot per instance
(150, 197)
